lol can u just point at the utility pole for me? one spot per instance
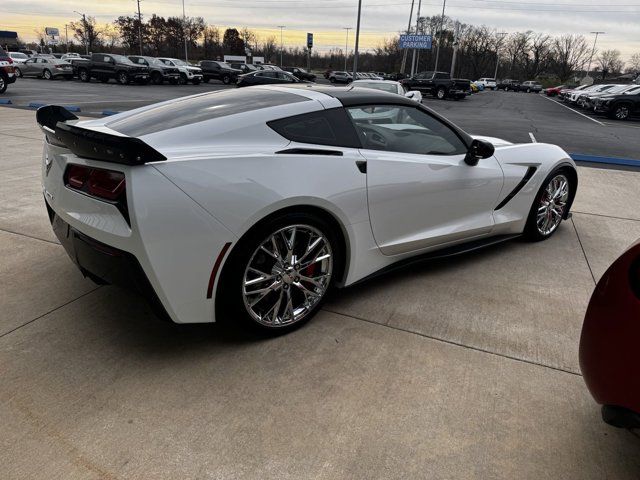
(184, 33)
(84, 27)
(501, 36)
(66, 36)
(444, 4)
(346, 47)
(139, 27)
(406, 51)
(355, 53)
(455, 47)
(593, 50)
(281, 44)
(413, 59)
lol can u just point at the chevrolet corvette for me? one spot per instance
(251, 204)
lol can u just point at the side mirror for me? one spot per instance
(478, 150)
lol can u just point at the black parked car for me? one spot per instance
(244, 67)
(438, 84)
(508, 84)
(619, 106)
(266, 77)
(213, 70)
(105, 66)
(158, 71)
(300, 73)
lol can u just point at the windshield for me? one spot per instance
(385, 87)
(121, 59)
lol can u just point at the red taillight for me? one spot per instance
(97, 182)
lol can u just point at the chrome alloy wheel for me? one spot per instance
(552, 205)
(287, 275)
(622, 112)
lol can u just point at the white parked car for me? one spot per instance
(576, 94)
(252, 203)
(389, 86)
(188, 73)
(69, 56)
(488, 83)
(18, 57)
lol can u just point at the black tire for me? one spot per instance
(441, 93)
(183, 79)
(103, 79)
(528, 90)
(122, 78)
(18, 72)
(156, 78)
(621, 111)
(332, 79)
(83, 75)
(226, 79)
(3, 82)
(230, 297)
(46, 74)
(531, 232)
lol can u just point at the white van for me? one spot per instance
(488, 83)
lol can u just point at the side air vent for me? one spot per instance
(527, 176)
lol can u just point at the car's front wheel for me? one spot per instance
(278, 276)
(620, 112)
(550, 205)
(441, 93)
(226, 79)
(123, 78)
(18, 72)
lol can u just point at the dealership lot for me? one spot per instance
(456, 369)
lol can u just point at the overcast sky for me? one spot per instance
(620, 19)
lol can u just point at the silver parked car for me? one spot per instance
(46, 67)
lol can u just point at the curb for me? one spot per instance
(71, 108)
(5, 101)
(107, 113)
(629, 162)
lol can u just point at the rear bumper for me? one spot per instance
(105, 264)
(454, 93)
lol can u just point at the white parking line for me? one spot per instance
(575, 111)
(533, 139)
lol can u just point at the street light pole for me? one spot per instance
(281, 44)
(501, 35)
(413, 58)
(346, 47)
(444, 4)
(406, 51)
(139, 27)
(593, 50)
(184, 33)
(355, 53)
(66, 36)
(84, 26)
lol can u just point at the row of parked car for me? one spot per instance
(145, 69)
(509, 84)
(618, 101)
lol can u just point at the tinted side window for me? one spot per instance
(395, 128)
(327, 127)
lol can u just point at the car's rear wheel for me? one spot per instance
(441, 93)
(550, 205)
(278, 276)
(18, 72)
(47, 75)
(332, 79)
(226, 79)
(83, 75)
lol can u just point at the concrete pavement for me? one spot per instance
(459, 369)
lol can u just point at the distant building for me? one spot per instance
(8, 39)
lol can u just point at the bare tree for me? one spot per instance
(610, 62)
(270, 48)
(633, 65)
(86, 32)
(570, 53)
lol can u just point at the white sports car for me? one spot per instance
(255, 202)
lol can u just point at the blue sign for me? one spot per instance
(309, 40)
(415, 41)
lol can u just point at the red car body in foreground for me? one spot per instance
(553, 91)
(610, 341)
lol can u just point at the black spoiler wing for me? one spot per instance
(90, 143)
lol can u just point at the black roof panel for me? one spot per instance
(350, 96)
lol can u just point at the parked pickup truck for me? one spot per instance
(105, 66)
(438, 84)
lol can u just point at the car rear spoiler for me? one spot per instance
(90, 143)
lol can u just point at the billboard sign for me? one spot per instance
(52, 31)
(309, 40)
(422, 42)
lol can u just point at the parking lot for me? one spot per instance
(462, 368)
